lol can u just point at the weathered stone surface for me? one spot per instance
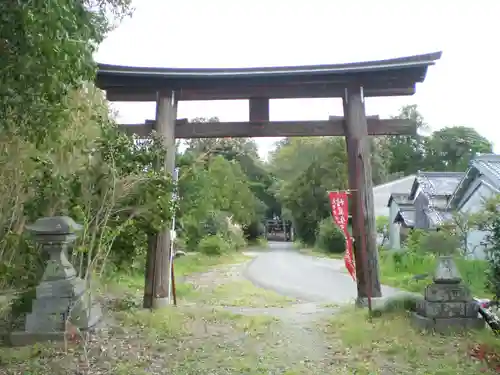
(61, 296)
(25, 338)
(446, 271)
(447, 292)
(54, 225)
(447, 309)
(448, 304)
(446, 325)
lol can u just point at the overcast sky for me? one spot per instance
(460, 90)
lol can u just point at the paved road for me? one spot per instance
(312, 279)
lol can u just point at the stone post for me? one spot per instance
(61, 296)
(394, 228)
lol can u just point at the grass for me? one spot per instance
(389, 345)
(259, 242)
(202, 338)
(205, 280)
(188, 339)
(398, 270)
(200, 263)
(315, 251)
(180, 340)
(321, 253)
(184, 266)
(243, 293)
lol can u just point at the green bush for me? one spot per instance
(235, 237)
(192, 230)
(254, 230)
(216, 222)
(489, 220)
(413, 240)
(439, 243)
(398, 269)
(329, 237)
(213, 245)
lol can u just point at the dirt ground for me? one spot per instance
(225, 325)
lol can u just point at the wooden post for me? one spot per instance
(158, 259)
(361, 184)
(258, 109)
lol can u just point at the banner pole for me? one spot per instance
(171, 281)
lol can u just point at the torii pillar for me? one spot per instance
(361, 186)
(157, 274)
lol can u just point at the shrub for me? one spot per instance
(213, 245)
(439, 243)
(216, 222)
(192, 231)
(400, 268)
(329, 237)
(234, 236)
(254, 230)
(413, 240)
(493, 282)
(489, 221)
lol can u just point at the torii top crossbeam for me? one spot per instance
(392, 77)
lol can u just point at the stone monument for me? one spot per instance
(447, 304)
(61, 296)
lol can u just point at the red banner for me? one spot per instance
(340, 212)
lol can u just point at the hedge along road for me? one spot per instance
(304, 277)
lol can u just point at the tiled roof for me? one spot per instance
(436, 218)
(399, 198)
(442, 183)
(488, 165)
(406, 216)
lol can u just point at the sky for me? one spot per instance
(461, 89)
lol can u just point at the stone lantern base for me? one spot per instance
(58, 304)
(447, 305)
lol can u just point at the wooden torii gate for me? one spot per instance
(352, 82)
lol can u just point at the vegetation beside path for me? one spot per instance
(202, 336)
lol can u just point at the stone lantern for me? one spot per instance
(447, 304)
(61, 296)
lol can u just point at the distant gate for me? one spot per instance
(278, 230)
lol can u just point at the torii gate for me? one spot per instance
(352, 82)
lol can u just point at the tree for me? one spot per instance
(227, 146)
(305, 170)
(381, 157)
(244, 151)
(211, 187)
(407, 151)
(47, 51)
(452, 148)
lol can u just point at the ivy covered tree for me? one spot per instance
(47, 50)
(61, 152)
